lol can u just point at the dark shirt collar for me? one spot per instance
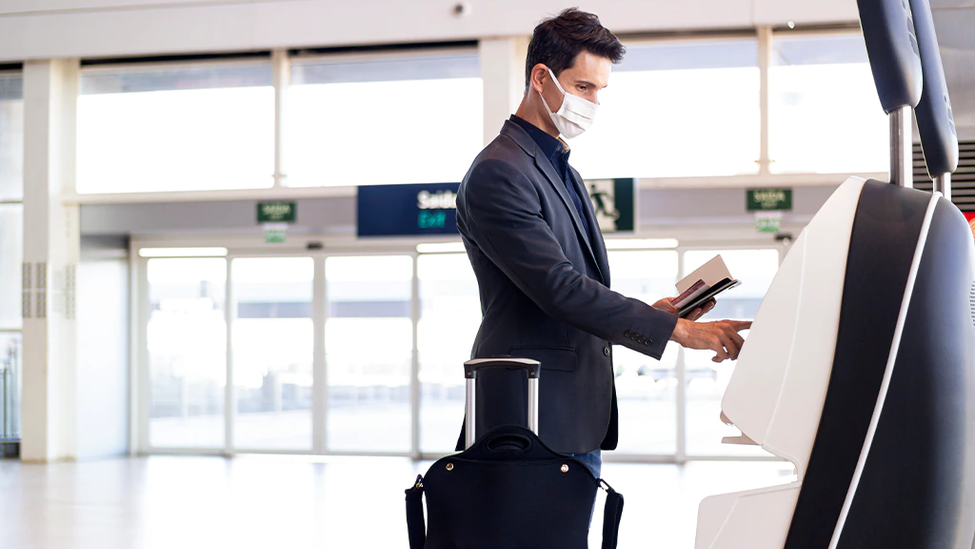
(552, 148)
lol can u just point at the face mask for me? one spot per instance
(574, 116)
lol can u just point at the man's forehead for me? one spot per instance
(590, 68)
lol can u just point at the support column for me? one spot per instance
(503, 74)
(281, 74)
(51, 253)
(764, 66)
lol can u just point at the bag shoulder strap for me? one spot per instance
(414, 515)
(613, 512)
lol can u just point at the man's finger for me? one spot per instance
(730, 344)
(719, 347)
(737, 339)
(667, 305)
(739, 325)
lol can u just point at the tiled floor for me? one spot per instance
(297, 503)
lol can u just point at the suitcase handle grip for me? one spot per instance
(533, 367)
(471, 367)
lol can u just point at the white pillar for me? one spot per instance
(51, 252)
(503, 73)
(765, 49)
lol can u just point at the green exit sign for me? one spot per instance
(768, 199)
(431, 219)
(276, 212)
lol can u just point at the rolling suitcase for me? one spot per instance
(507, 489)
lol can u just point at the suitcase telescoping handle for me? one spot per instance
(471, 367)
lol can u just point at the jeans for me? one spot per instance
(594, 461)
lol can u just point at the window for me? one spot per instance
(824, 114)
(383, 120)
(11, 259)
(676, 109)
(176, 128)
(11, 385)
(646, 388)
(11, 137)
(707, 381)
(11, 189)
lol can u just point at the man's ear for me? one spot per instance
(538, 75)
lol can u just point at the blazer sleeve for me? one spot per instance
(503, 213)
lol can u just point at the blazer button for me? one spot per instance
(606, 351)
(627, 333)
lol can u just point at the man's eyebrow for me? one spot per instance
(590, 84)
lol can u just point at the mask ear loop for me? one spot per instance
(559, 87)
(556, 80)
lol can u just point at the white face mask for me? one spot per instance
(574, 116)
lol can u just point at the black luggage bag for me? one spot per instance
(508, 490)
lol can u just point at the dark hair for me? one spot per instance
(557, 41)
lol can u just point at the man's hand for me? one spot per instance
(721, 336)
(667, 304)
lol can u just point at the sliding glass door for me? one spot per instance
(272, 352)
(186, 340)
(331, 353)
(369, 353)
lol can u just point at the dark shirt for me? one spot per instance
(558, 154)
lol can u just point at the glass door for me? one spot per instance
(705, 381)
(450, 313)
(322, 353)
(272, 337)
(186, 337)
(646, 388)
(369, 342)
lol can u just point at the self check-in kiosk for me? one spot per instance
(860, 365)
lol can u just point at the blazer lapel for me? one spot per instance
(528, 144)
(596, 236)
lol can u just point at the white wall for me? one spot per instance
(103, 359)
(39, 29)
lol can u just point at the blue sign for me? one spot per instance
(407, 210)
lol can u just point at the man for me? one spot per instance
(540, 261)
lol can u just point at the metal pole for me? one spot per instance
(230, 403)
(281, 78)
(942, 184)
(319, 368)
(901, 154)
(415, 387)
(764, 64)
(469, 427)
(533, 404)
(5, 399)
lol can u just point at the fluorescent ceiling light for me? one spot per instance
(640, 243)
(182, 252)
(441, 248)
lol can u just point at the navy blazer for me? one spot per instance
(544, 289)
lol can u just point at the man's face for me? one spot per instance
(587, 75)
